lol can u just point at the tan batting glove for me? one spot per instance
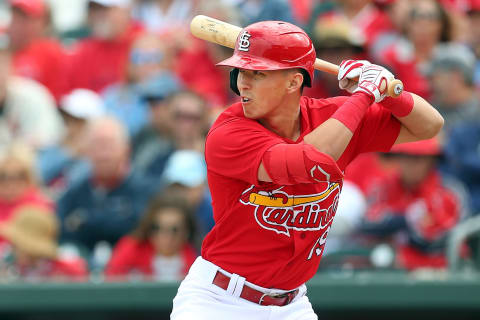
(349, 70)
(374, 80)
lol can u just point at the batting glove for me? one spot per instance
(374, 80)
(349, 70)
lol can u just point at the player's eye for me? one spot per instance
(258, 73)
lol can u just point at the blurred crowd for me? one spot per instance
(105, 105)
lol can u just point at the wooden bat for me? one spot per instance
(226, 34)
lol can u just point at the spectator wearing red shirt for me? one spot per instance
(427, 26)
(101, 59)
(335, 39)
(33, 255)
(419, 202)
(159, 248)
(18, 186)
(366, 17)
(34, 55)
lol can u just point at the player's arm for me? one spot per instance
(419, 119)
(333, 136)
(326, 143)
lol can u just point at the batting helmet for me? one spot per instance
(271, 45)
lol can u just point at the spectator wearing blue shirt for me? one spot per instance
(148, 67)
(61, 163)
(107, 202)
(462, 154)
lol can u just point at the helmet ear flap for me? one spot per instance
(233, 80)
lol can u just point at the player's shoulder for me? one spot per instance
(325, 103)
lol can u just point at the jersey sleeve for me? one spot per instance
(378, 130)
(235, 149)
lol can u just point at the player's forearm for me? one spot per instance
(422, 122)
(333, 136)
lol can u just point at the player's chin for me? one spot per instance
(251, 111)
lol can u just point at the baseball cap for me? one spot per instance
(34, 8)
(333, 31)
(113, 3)
(159, 87)
(185, 167)
(453, 56)
(82, 104)
(430, 147)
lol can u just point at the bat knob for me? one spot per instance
(395, 88)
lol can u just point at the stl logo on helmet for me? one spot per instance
(243, 42)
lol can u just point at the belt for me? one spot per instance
(254, 295)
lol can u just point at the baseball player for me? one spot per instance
(275, 167)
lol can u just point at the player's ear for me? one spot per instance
(295, 81)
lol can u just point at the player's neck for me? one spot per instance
(285, 122)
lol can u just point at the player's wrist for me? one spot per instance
(351, 113)
(401, 106)
(369, 89)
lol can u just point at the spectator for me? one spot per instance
(451, 76)
(335, 39)
(32, 233)
(205, 79)
(417, 201)
(185, 176)
(18, 183)
(27, 110)
(164, 15)
(253, 11)
(364, 16)
(191, 121)
(148, 69)
(107, 202)
(473, 36)
(34, 54)
(462, 154)
(159, 248)
(153, 144)
(62, 163)
(427, 26)
(101, 59)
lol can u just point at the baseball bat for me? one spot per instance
(225, 34)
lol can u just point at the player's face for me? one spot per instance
(262, 92)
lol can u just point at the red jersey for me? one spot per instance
(131, 255)
(43, 60)
(96, 63)
(274, 235)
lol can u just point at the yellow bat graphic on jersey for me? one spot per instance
(269, 201)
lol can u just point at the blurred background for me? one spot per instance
(104, 108)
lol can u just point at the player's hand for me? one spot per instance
(348, 71)
(374, 80)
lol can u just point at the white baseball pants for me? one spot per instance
(198, 298)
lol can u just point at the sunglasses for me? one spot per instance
(16, 176)
(187, 116)
(427, 15)
(172, 230)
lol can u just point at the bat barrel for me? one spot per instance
(214, 30)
